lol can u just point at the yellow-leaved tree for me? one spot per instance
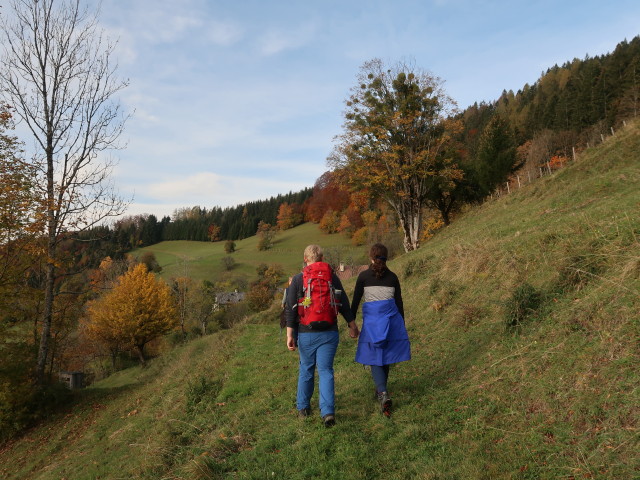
(137, 310)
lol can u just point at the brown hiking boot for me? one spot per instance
(304, 412)
(329, 420)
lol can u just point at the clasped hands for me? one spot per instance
(353, 330)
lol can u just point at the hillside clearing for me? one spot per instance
(203, 260)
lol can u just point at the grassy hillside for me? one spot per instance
(525, 327)
(203, 260)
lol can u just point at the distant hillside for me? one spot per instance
(203, 260)
(524, 321)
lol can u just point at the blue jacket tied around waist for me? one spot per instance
(383, 339)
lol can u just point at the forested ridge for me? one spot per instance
(195, 223)
(595, 91)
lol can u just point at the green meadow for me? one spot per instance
(203, 261)
(524, 317)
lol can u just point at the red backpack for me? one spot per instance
(318, 308)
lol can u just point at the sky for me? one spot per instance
(239, 100)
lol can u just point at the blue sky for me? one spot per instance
(239, 100)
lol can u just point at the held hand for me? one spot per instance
(353, 330)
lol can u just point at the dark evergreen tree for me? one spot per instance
(496, 158)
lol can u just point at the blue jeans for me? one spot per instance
(317, 348)
(380, 376)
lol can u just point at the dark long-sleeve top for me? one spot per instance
(373, 289)
(295, 291)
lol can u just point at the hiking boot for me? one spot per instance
(329, 420)
(304, 412)
(385, 403)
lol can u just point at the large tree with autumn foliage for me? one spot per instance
(397, 125)
(139, 308)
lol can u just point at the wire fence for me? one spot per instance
(531, 174)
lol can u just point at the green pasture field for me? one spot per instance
(203, 260)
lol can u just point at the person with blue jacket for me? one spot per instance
(383, 339)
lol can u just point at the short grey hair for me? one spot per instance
(313, 253)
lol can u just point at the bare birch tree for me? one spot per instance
(57, 73)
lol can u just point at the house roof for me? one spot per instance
(225, 298)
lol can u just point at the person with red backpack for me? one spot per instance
(314, 299)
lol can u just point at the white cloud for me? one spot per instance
(224, 33)
(158, 209)
(275, 41)
(125, 50)
(154, 21)
(211, 189)
(166, 27)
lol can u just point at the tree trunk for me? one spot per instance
(410, 215)
(445, 215)
(444, 205)
(411, 240)
(114, 357)
(140, 350)
(47, 313)
(53, 343)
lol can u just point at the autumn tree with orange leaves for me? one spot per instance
(328, 194)
(289, 215)
(213, 232)
(139, 309)
(265, 233)
(397, 127)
